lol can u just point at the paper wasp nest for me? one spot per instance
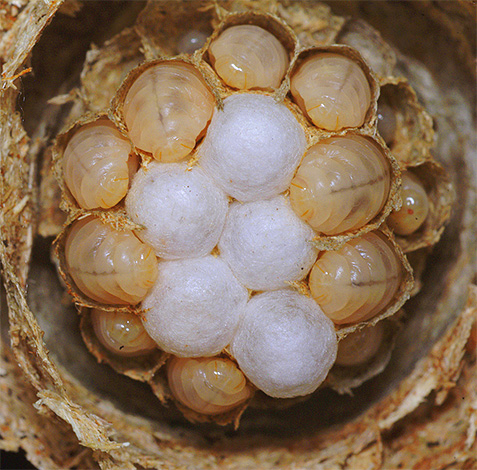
(242, 209)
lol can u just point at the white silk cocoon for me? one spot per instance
(252, 147)
(182, 210)
(284, 343)
(193, 308)
(266, 244)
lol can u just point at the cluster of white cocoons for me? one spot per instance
(239, 296)
(253, 147)
(284, 344)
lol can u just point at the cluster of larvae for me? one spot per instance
(227, 218)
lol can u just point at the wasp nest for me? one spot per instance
(239, 214)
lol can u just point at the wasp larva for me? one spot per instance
(358, 281)
(108, 265)
(341, 184)
(415, 206)
(247, 57)
(121, 333)
(207, 385)
(360, 346)
(96, 165)
(166, 110)
(332, 90)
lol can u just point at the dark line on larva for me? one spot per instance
(366, 183)
(373, 283)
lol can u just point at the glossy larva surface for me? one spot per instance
(166, 110)
(181, 209)
(108, 265)
(341, 184)
(266, 245)
(284, 343)
(252, 147)
(95, 165)
(248, 57)
(415, 206)
(194, 306)
(357, 281)
(207, 385)
(360, 346)
(332, 90)
(121, 333)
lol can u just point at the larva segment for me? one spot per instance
(96, 165)
(108, 265)
(358, 281)
(249, 57)
(166, 109)
(121, 333)
(342, 183)
(208, 386)
(415, 206)
(332, 90)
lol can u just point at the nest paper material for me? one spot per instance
(61, 424)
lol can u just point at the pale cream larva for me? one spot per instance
(360, 346)
(108, 265)
(415, 206)
(167, 109)
(96, 165)
(332, 90)
(358, 281)
(341, 184)
(209, 386)
(121, 333)
(248, 57)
